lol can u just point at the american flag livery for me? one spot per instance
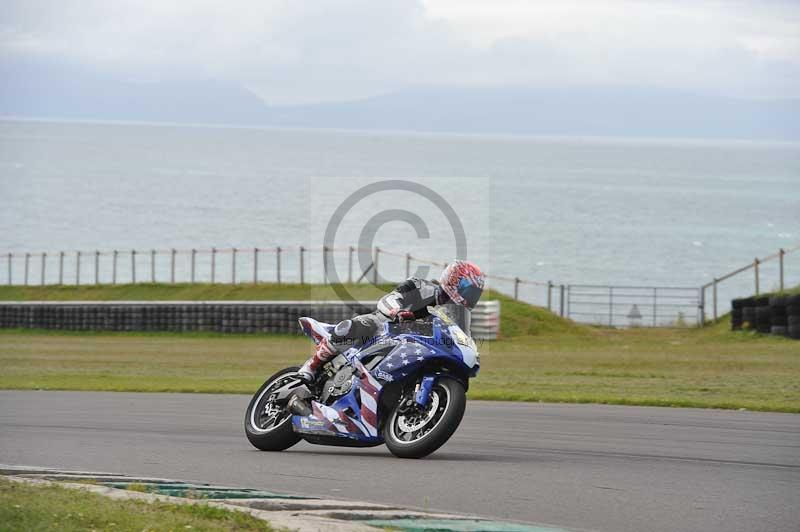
(336, 420)
(404, 358)
(369, 389)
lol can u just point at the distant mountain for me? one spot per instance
(585, 111)
(48, 90)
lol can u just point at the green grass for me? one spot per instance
(34, 507)
(540, 357)
(709, 367)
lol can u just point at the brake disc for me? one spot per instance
(412, 423)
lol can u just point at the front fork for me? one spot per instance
(422, 393)
(421, 397)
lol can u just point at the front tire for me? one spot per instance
(269, 426)
(420, 434)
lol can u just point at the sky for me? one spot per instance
(290, 52)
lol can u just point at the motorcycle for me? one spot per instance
(405, 388)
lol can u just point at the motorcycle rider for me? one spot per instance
(461, 282)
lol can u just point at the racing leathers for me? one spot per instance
(408, 301)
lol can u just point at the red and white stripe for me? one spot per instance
(369, 390)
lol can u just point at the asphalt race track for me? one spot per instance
(607, 468)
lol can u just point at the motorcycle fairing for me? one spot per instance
(346, 418)
(316, 330)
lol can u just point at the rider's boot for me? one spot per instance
(324, 352)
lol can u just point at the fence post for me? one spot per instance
(781, 253)
(375, 265)
(60, 267)
(408, 265)
(152, 266)
(133, 266)
(610, 306)
(569, 301)
(27, 261)
(714, 298)
(77, 268)
(10, 256)
(755, 265)
(114, 268)
(278, 265)
(233, 266)
(550, 295)
(655, 306)
(44, 263)
(561, 300)
(255, 265)
(516, 287)
(96, 267)
(172, 267)
(350, 265)
(213, 265)
(194, 257)
(302, 265)
(702, 306)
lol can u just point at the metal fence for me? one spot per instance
(713, 305)
(617, 306)
(634, 306)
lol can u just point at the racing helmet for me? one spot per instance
(463, 282)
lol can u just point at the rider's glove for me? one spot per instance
(404, 315)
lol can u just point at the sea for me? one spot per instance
(628, 212)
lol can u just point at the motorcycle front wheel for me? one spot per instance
(268, 425)
(418, 433)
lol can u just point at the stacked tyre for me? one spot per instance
(793, 316)
(736, 314)
(778, 318)
(763, 315)
(748, 313)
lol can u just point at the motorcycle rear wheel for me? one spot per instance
(418, 435)
(268, 426)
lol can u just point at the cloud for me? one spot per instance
(345, 49)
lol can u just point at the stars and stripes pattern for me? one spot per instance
(404, 356)
(369, 389)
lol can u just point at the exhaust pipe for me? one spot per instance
(299, 406)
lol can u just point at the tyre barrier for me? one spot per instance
(778, 315)
(737, 306)
(793, 316)
(236, 317)
(748, 313)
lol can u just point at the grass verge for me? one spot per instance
(540, 357)
(34, 507)
(709, 367)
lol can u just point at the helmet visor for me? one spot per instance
(470, 292)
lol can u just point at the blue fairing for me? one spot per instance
(415, 351)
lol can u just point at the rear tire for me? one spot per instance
(280, 435)
(449, 403)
